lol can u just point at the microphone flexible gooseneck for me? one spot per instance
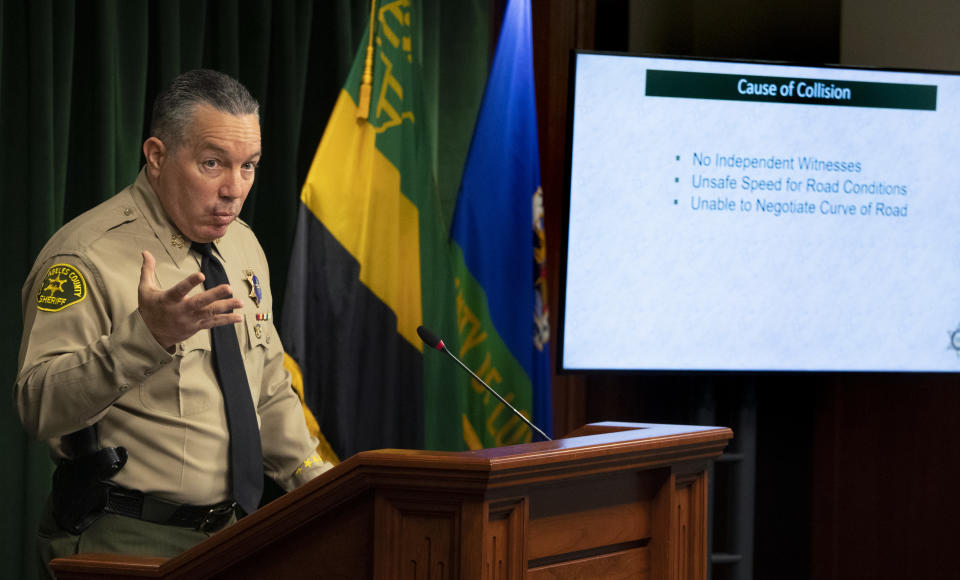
(432, 340)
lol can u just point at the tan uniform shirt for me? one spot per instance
(87, 357)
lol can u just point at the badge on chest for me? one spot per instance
(256, 292)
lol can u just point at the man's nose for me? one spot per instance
(232, 185)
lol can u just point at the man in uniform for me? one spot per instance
(129, 332)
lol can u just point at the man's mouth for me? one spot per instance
(223, 219)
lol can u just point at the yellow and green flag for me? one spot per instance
(370, 253)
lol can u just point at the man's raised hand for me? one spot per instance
(172, 316)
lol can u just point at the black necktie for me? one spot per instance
(246, 456)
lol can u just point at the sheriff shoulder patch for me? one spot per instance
(62, 286)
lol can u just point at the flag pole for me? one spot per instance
(366, 83)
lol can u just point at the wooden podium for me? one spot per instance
(611, 500)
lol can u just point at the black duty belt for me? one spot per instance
(136, 504)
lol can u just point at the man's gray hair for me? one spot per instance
(174, 107)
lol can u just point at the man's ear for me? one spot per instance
(155, 153)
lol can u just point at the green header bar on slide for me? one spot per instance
(801, 91)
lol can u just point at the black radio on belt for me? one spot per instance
(80, 485)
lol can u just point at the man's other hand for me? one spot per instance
(172, 316)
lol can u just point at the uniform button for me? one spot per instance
(148, 372)
(124, 388)
(268, 340)
(163, 362)
(127, 211)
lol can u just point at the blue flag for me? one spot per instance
(499, 251)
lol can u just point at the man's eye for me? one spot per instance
(250, 166)
(210, 163)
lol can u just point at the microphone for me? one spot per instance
(432, 340)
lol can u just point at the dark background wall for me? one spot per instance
(853, 475)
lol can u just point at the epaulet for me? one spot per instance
(88, 227)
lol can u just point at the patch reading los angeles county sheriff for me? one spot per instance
(63, 285)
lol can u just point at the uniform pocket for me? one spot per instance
(188, 385)
(256, 351)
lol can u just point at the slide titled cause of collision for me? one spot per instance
(801, 89)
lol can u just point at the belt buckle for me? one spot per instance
(216, 517)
